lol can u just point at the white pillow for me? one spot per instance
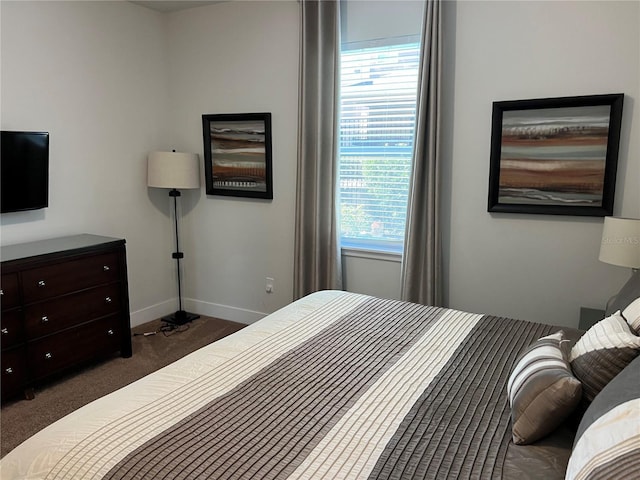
(602, 352)
(632, 315)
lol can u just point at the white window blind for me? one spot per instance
(377, 124)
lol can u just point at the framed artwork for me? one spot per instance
(237, 154)
(555, 155)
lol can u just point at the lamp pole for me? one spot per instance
(177, 254)
(180, 317)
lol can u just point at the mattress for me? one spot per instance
(335, 385)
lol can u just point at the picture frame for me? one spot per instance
(555, 156)
(237, 154)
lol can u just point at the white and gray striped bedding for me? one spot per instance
(336, 385)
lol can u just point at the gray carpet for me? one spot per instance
(20, 419)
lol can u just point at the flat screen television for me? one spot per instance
(24, 171)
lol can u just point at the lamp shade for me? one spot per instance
(173, 170)
(621, 242)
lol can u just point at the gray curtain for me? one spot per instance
(317, 262)
(422, 259)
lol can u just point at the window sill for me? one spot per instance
(372, 254)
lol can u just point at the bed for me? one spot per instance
(335, 385)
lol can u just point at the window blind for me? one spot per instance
(377, 123)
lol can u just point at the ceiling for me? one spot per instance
(166, 6)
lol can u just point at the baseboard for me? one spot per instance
(153, 312)
(225, 312)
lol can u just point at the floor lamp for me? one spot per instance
(175, 170)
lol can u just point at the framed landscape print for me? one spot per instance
(237, 154)
(555, 155)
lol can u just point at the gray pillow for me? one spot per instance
(607, 443)
(628, 293)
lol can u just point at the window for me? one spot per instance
(377, 123)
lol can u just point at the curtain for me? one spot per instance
(317, 260)
(422, 259)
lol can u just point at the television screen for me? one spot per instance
(24, 171)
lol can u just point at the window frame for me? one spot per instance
(391, 250)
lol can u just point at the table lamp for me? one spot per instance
(621, 246)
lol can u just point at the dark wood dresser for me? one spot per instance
(65, 302)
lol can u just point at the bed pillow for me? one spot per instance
(632, 315)
(607, 443)
(602, 352)
(627, 294)
(541, 389)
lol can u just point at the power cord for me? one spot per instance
(167, 329)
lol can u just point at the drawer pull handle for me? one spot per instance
(108, 300)
(45, 319)
(9, 370)
(110, 332)
(105, 268)
(41, 283)
(5, 331)
(48, 356)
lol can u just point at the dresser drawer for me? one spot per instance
(11, 332)
(88, 341)
(9, 295)
(53, 315)
(14, 371)
(65, 302)
(53, 280)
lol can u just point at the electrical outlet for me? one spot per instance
(269, 286)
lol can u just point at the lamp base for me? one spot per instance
(180, 317)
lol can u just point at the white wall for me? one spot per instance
(533, 266)
(238, 57)
(112, 81)
(94, 75)
(363, 21)
(370, 21)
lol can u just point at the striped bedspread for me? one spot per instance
(334, 386)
